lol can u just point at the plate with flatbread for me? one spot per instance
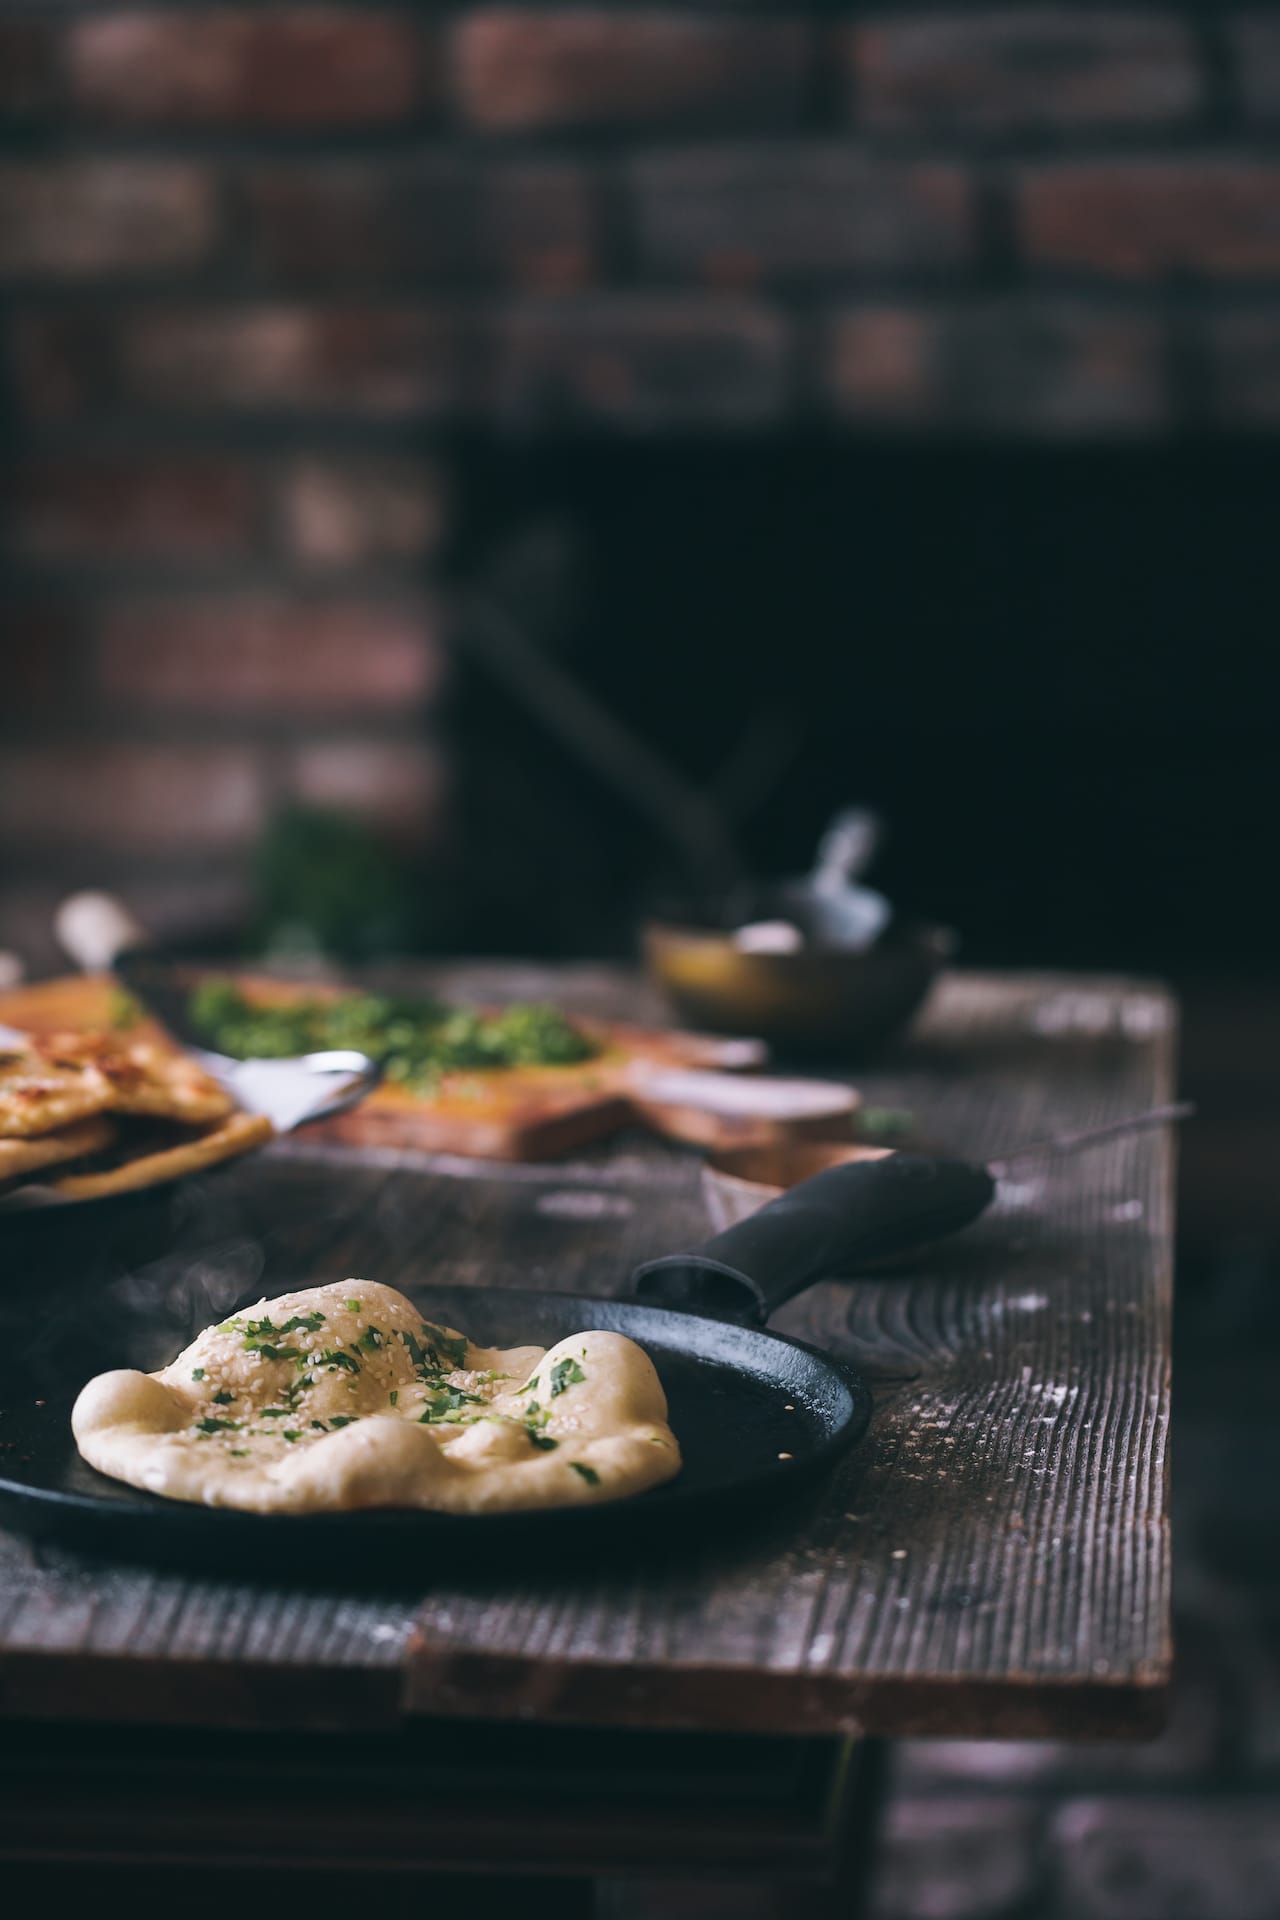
(87, 1116)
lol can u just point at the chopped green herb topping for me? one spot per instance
(343, 1419)
(291, 1434)
(589, 1474)
(223, 1399)
(273, 1353)
(197, 1373)
(210, 1425)
(448, 1401)
(320, 1423)
(333, 1357)
(276, 1413)
(370, 1340)
(529, 1385)
(565, 1373)
(452, 1345)
(352, 1306)
(239, 1453)
(543, 1441)
(395, 1395)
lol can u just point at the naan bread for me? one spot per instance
(38, 1096)
(20, 1157)
(240, 1134)
(342, 1397)
(141, 1078)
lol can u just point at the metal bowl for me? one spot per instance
(817, 999)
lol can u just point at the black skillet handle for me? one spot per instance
(818, 1230)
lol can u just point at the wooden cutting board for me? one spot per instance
(687, 1086)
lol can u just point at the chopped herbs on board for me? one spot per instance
(417, 1040)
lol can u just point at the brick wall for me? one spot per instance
(256, 261)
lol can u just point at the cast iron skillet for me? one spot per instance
(755, 1413)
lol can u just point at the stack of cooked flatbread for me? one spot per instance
(91, 1114)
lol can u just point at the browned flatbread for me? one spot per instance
(37, 1095)
(239, 1134)
(141, 1078)
(21, 1158)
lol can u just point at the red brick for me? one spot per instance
(241, 654)
(1013, 71)
(302, 67)
(282, 360)
(642, 363)
(745, 214)
(356, 221)
(1242, 351)
(1255, 38)
(522, 71)
(537, 226)
(1135, 219)
(81, 219)
(129, 795)
(530, 222)
(28, 72)
(94, 508)
(400, 785)
(1057, 368)
(60, 363)
(882, 364)
(358, 510)
(41, 661)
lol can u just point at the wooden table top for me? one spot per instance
(994, 1559)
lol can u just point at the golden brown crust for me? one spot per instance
(141, 1078)
(239, 1134)
(38, 1095)
(19, 1158)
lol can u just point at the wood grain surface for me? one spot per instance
(993, 1560)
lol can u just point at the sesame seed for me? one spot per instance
(786, 1456)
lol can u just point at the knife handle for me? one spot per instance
(819, 1230)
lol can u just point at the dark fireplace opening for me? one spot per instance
(1053, 672)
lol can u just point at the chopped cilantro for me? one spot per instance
(276, 1413)
(223, 1399)
(274, 1353)
(370, 1340)
(565, 1373)
(543, 1441)
(394, 1396)
(447, 1401)
(197, 1373)
(452, 1345)
(588, 1474)
(320, 1423)
(333, 1357)
(239, 1453)
(529, 1385)
(211, 1425)
(352, 1306)
(291, 1434)
(343, 1419)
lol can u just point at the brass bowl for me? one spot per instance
(815, 1000)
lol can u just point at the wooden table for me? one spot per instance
(994, 1560)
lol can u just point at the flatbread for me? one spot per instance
(37, 1096)
(240, 1134)
(141, 1078)
(342, 1397)
(21, 1157)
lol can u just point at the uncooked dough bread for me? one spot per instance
(342, 1397)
